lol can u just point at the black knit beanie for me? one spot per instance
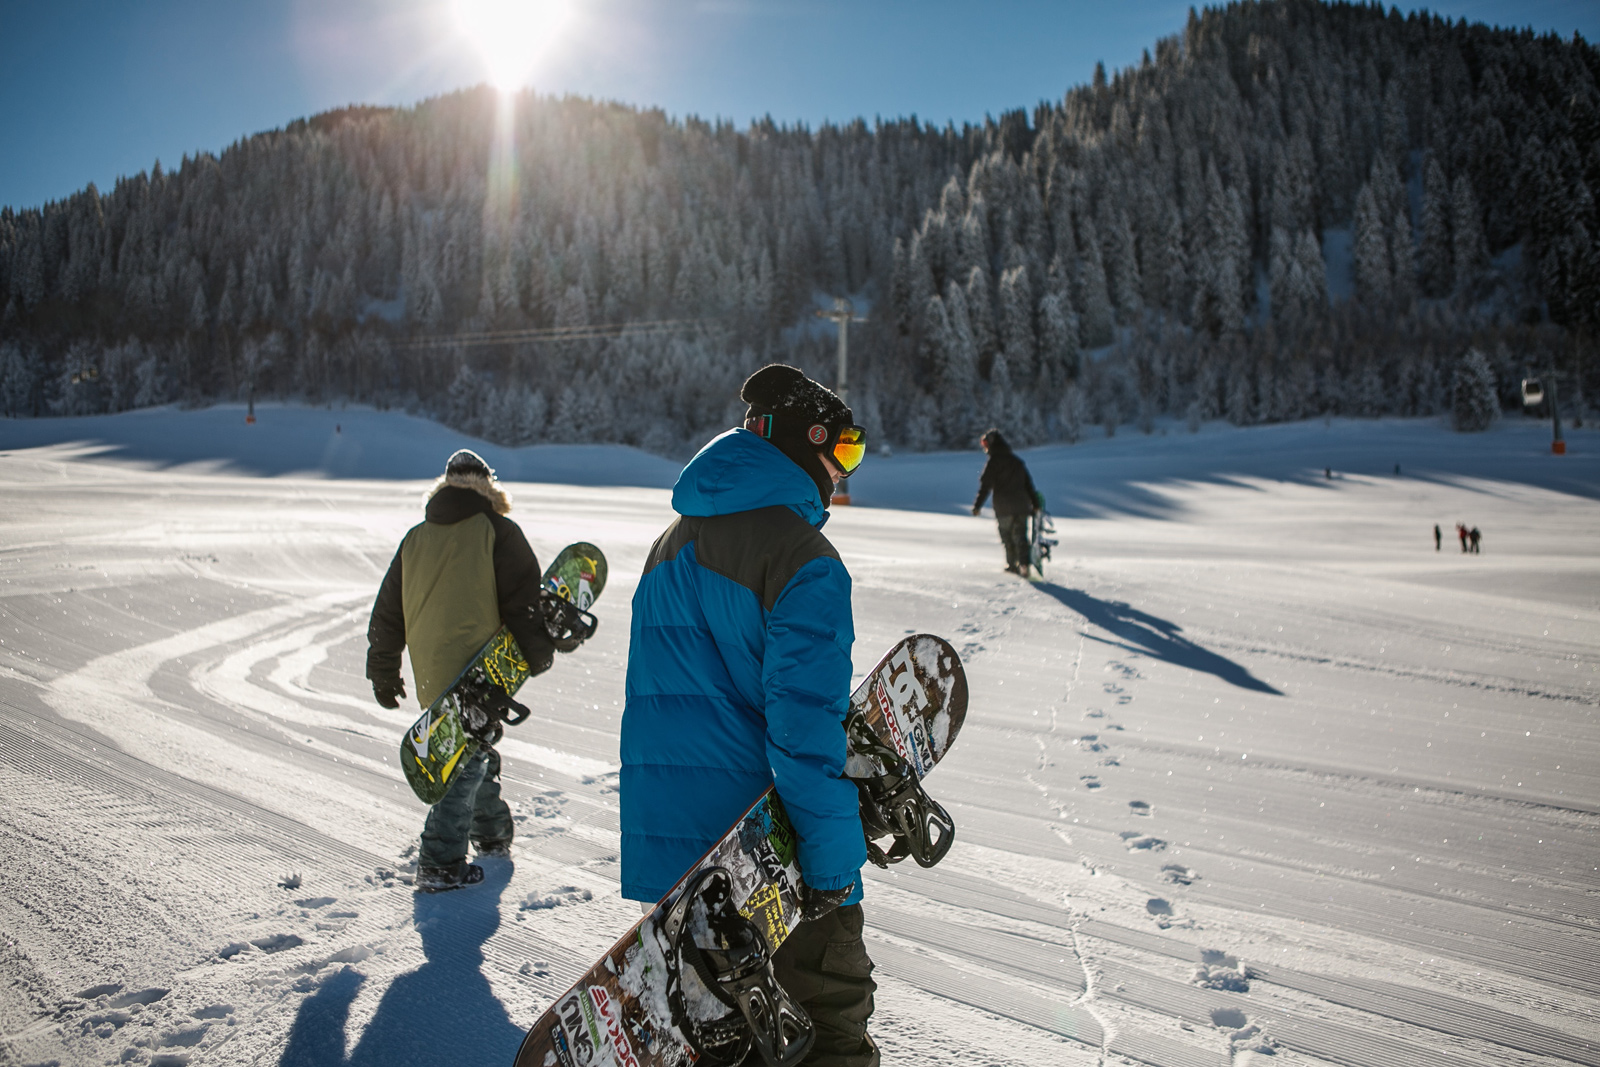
(466, 461)
(796, 404)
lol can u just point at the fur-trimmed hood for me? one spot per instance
(485, 486)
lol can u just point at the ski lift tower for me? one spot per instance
(1534, 391)
(842, 314)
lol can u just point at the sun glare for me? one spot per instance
(510, 35)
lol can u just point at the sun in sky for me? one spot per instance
(510, 35)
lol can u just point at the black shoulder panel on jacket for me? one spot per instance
(762, 550)
(684, 528)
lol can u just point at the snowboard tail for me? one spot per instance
(439, 742)
(903, 719)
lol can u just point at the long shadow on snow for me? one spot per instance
(444, 1011)
(1139, 631)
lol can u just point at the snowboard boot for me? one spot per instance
(493, 849)
(443, 879)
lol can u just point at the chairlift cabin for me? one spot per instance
(1532, 392)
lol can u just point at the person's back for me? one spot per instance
(742, 575)
(1015, 498)
(458, 576)
(739, 679)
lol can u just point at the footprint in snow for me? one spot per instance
(1178, 874)
(607, 781)
(1134, 841)
(1157, 906)
(315, 902)
(567, 894)
(1089, 781)
(1245, 1036)
(1094, 713)
(277, 942)
(547, 805)
(1228, 1018)
(183, 1038)
(1123, 669)
(95, 992)
(1138, 807)
(1219, 970)
(213, 1011)
(1090, 743)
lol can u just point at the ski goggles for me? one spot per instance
(849, 447)
(848, 444)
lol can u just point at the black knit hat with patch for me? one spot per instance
(796, 404)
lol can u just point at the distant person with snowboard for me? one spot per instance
(739, 679)
(457, 577)
(1015, 498)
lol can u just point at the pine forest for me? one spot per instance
(1287, 210)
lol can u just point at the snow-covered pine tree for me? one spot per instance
(1469, 251)
(1371, 267)
(1072, 413)
(1474, 400)
(1090, 293)
(980, 311)
(1058, 345)
(1435, 266)
(1016, 325)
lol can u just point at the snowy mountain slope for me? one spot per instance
(1255, 755)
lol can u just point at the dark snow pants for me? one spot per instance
(471, 809)
(824, 965)
(1014, 535)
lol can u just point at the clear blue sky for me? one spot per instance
(93, 90)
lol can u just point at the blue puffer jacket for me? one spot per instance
(738, 673)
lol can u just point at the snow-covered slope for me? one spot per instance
(1255, 768)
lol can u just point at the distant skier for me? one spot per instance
(456, 578)
(1015, 498)
(1461, 532)
(1474, 536)
(1438, 538)
(739, 679)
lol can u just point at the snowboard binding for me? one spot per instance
(894, 804)
(736, 968)
(484, 707)
(567, 624)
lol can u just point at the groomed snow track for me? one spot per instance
(1219, 795)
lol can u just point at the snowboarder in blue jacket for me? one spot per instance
(739, 679)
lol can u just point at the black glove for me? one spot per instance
(388, 691)
(977, 509)
(815, 903)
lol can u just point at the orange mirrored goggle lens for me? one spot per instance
(850, 449)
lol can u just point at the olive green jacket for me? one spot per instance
(457, 577)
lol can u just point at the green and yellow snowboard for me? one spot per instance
(438, 742)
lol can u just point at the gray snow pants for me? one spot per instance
(471, 809)
(1015, 536)
(824, 965)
